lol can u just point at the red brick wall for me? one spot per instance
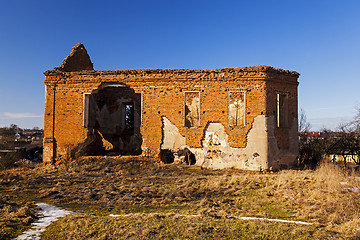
(280, 84)
(163, 95)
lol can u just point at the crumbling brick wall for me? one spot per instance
(163, 93)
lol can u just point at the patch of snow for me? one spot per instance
(271, 220)
(237, 217)
(182, 215)
(49, 214)
(349, 189)
(356, 178)
(114, 215)
(352, 189)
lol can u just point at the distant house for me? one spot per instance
(36, 137)
(341, 152)
(27, 143)
(337, 158)
(19, 136)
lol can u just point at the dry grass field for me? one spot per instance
(156, 201)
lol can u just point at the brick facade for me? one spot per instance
(232, 98)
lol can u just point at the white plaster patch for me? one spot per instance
(172, 139)
(261, 151)
(212, 139)
(220, 155)
(215, 136)
(49, 214)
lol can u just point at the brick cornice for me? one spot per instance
(250, 70)
(164, 75)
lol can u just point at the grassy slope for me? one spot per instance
(155, 195)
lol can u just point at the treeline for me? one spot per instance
(314, 146)
(7, 136)
(8, 154)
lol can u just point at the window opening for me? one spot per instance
(86, 109)
(236, 108)
(129, 116)
(192, 109)
(282, 110)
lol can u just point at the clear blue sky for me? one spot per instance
(320, 39)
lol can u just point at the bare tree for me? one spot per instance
(348, 143)
(355, 144)
(304, 125)
(356, 122)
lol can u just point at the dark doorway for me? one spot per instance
(114, 114)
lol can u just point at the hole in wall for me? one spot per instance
(190, 158)
(166, 156)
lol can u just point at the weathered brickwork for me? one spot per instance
(163, 95)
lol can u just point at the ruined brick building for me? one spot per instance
(244, 118)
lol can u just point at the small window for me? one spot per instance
(282, 110)
(192, 109)
(129, 116)
(236, 109)
(86, 109)
(89, 110)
